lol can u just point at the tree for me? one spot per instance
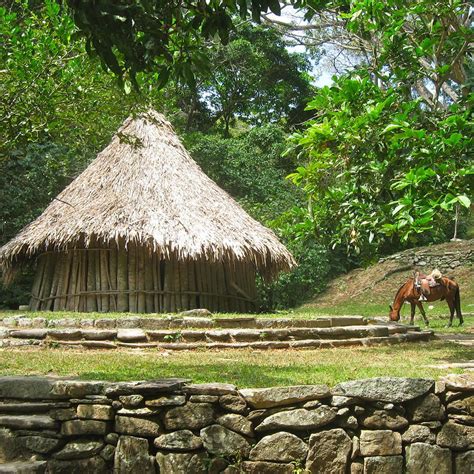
(380, 170)
(256, 79)
(421, 46)
(163, 36)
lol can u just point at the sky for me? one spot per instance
(321, 72)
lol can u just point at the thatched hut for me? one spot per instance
(143, 229)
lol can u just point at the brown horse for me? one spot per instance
(446, 290)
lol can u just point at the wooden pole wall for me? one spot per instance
(139, 281)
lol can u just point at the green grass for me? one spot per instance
(245, 368)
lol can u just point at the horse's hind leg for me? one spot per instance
(422, 311)
(457, 304)
(412, 314)
(451, 311)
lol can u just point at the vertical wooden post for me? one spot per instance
(91, 268)
(77, 281)
(122, 280)
(113, 277)
(72, 281)
(141, 299)
(148, 275)
(55, 269)
(98, 297)
(177, 286)
(61, 303)
(167, 286)
(61, 269)
(200, 266)
(183, 284)
(155, 272)
(47, 280)
(192, 298)
(35, 291)
(132, 278)
(104, 280)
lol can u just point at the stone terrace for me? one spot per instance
(191, 332)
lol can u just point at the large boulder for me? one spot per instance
(79, 449)
(132, 455)
(423, 458)
(182, 440)
(385, 389)
(455, 436)
(191, 416)
(418, 434)
(95, 412)
(224, 442)
(137, 426)
(427, 408)
(280, 396)
(263, 467)
(383, 465)
(83, 427)
(237, 423)
(299, 419)
(182, 463)
(280, 447)
(380, 443)
(464, 462)
(383, 419)
(329, 452)
(28, 422)
(77, 466)
(39, 444)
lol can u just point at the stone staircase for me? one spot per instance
(190, 332)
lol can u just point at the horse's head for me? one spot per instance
(394, 315)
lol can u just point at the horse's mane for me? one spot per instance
(400, 289)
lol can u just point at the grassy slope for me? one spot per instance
(361, 292)
(245, 368)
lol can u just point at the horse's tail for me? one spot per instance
(457, 303)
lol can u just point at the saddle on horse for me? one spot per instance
(423, 283)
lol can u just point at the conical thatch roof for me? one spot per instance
(145, 188)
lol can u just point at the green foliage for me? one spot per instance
(50, 91)
(250, 167)
(381, 169)
(308, 279)
(254, 77)
(130, 37)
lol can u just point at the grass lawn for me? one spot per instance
(245, 368)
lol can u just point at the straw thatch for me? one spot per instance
(143, 198)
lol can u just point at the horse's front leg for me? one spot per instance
(422, 311)
(412, 313)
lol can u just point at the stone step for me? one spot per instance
(183, 344)
(181, 322)
(96, 336)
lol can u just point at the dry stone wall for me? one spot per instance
(445, 257)
(382, 425)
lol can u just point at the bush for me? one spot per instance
(306, 280)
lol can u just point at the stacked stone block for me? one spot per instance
(373, 426)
